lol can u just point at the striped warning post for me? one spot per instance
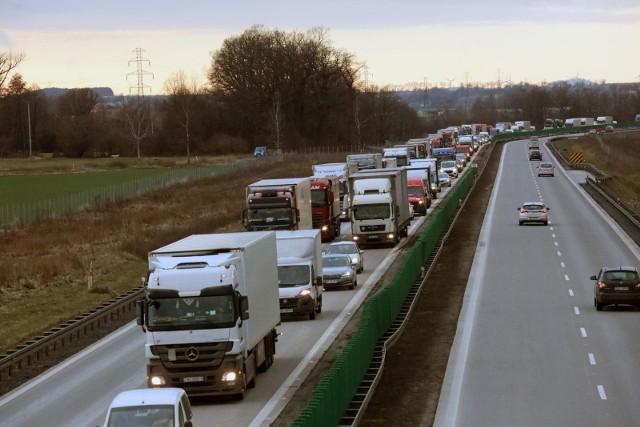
(576, 158)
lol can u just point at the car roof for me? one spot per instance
(620, 268)
(147, 396)
(532, 203)
(342, 242)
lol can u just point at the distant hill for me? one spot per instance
(54, 92)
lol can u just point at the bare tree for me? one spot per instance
(183, 94)
(78, 102)
(8, 61)
(136, 114)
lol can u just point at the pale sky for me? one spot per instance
(90, 43)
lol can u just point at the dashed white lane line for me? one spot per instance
(559, 253)
(562, 265)
(583, 332)
(566, 277)
(571, 292)
(576, 310)
(555, 244)
(592, 359)
(601, 392)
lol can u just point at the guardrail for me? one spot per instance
(37, 348)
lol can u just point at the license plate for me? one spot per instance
(373, 237)
(286, 310)
(621, 288)
(192, 379)
(331, 281)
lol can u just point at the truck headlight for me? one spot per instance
(229, 376)
(157, 380)
(305, 292)
(391, 236)
(325, 227)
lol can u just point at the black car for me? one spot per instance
(535, 155)
(616, 285)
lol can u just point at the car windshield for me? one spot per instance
(546, 165)
(342, 249)
(148, 415)
(443, 175)
(448, 164)
(335, 261)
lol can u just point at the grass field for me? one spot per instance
(45, 268)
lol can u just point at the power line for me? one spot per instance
(140, 73)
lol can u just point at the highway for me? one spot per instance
(78, 392)
(531, 349)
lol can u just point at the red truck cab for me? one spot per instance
(325, 206)
(418, 196)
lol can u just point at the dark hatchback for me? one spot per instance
(616, 285)
(535, 155)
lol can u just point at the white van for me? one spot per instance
(154, 407)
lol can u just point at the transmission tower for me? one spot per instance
(139, 73)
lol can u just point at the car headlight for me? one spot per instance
(157, 381)
(347, 275)
(305, 292)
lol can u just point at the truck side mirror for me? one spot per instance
(244, 307)
(140, 316)
(244, 217)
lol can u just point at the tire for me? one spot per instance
(546, 223)
(598, 305)
(353, 285)
(520, 222)
(312, 315)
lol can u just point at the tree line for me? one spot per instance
(287, 90)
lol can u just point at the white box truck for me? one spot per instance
(210, 312)
(300, 272)
(400, 153)
(278, 204)
(380, 212)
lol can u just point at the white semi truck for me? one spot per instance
(210, 312)
(400, 153)
(300, 272)
(380, 212)
(278, 204)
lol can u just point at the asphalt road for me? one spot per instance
(530, 348)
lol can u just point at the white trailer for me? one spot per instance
(210, 312)
(400, 153)
(300, 272)
(380, 211)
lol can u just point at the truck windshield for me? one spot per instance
(373, 211)
(191, 313)
(293, 275)
(147, 415)
(318, 198)
(415, 191)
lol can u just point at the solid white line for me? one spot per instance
(70, 361)
(576, 309)
(571, 292)
(592, 359)
(566, 277)
(601, 392)
(583, 331)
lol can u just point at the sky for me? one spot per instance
(94, 43)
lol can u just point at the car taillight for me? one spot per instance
(638, 287)
(523, 211)
(601, 285)
(543, 211)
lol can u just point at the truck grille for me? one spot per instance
(316, 220)
(367, 228)
(289, 302)
(197, 357)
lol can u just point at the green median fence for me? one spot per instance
(336, 389)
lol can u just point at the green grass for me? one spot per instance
(25, 188)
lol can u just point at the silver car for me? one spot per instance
(350, 248)
(533, 212)
(444, 178)
(338, 271)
